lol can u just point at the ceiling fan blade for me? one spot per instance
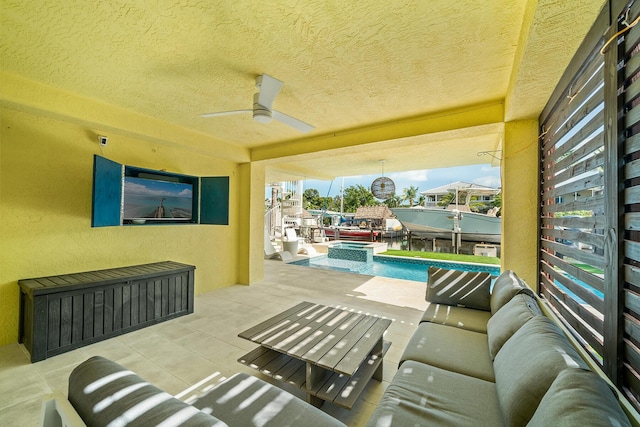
(291, 121)
(225, 113)
(269, 88)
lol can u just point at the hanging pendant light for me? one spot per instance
(382, 188)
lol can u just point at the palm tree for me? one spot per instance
(410, 194)
(393, 201)
(447, 199)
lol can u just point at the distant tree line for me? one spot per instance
(357, 195)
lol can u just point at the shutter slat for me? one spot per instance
(587, 204)
(586, 165)
(575, 236)
(587, 258)
(558, 162)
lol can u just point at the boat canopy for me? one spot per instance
(461, 186)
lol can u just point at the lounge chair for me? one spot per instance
(271, 253)
(307, 250)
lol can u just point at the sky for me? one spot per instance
(422, 179)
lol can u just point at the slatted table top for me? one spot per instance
(332, 338)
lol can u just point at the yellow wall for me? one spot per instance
(45, 209)
(251, 239)
(520, 200)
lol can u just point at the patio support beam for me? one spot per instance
(520, 200)
(443, 121)
(251, 184)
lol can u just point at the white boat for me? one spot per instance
(471, 226)
(456, 219)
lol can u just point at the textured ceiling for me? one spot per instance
(345, 65)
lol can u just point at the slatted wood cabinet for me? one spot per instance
(61, 313)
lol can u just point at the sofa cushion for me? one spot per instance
(453, 349)
(103, 392)
(527, 364)
(423, 395)
(579, 397)
(506, 321)
(505, 287)
(459, 317)
(461, 288)
(244, 400)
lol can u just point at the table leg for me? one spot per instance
(315, 374)
(377, 350)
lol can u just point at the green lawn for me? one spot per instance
(443, 256)
(588, 268)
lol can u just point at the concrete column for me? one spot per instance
(520, 200)
(251, 218)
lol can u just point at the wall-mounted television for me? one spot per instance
(156, 200)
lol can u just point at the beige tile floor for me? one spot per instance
(178, 354)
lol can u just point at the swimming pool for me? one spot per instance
(393, 267)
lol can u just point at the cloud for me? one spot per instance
(132, 187)
(156, 189)
(418, 176)
(488, 181)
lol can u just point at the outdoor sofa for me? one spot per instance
(476, 359)
(104, 393)
(492, 359)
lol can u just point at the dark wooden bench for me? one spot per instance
(64, 312)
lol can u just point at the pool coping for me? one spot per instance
(431, 261)
(323, 247)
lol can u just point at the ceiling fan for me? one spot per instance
(268, 87)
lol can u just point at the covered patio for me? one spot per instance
(549, 87)
(179, 354)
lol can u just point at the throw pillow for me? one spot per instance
(459, 288)
(506, 286)
(506, 321)
(579, 397)
(526, 366)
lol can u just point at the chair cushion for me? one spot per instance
(505, 287)
(527, 364)
(506, 321)
(103, 392)
(423, 395)
(579, 397)
(453, 349)
(459, 317)
(460, 288)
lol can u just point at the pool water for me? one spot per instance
(394, 267)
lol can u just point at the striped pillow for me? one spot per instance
(459, 288)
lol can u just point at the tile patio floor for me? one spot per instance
(178, 354)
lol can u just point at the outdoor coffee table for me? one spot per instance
(330, 353)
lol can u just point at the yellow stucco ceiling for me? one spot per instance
(346, 67)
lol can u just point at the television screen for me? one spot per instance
(155, 200)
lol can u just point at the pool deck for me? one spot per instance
(186, 355)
